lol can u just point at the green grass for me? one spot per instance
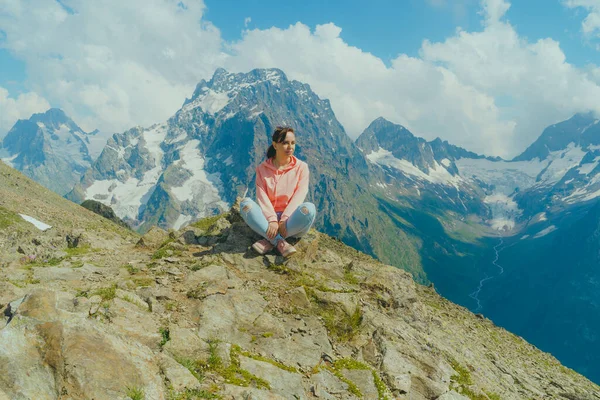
(192, 394)
(462, 382)
(143, 281)
(165, 336)
(107, 293)
(232, 374)
(164, 252)
(352, 364)
(267, 360)
(340, 326)
(77, 251)
(205, 223)
(131, 269)
(135, 393)
(8, 218)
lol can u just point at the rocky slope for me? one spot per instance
(50, 148)
(196, 314)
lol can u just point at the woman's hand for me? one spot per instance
(283, 229)
(272, 230)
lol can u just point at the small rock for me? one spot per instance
(297, 297)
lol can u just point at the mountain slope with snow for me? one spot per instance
(50, 148)
(199, 161)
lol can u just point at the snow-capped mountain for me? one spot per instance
(50, 148)
(557, 171)
(201, 159)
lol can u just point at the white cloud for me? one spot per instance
(119, 64)
(426, 98)
(543, 87)
(494, 10)
(20, 108)
(591, 24)
(247, 21)
(113, 64)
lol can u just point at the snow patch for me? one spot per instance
(541, 217)
(38, 224)
(580, 195)
(437, 174)
(544, 232)
(200, 186)
(210, 102)
(585, 169)
(446, 163)
(181, 221)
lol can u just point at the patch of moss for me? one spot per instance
(462, 376)
(279, 269)
(267, 360)
(232, 374)
(131, 269)
(352, 364)
(165, 335)
(135, 393)
(166, 251)
(352, 388)
(108, 293)
(461, 382)
(7, 218)
(143, 281)
(341, 326)
(205, 223)
(192, 394)
(493, 396)
(77, 251)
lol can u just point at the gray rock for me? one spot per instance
(297, 297)
(233, 392)
(452, 395)
(179, 377)
(228, 317)
(285, 383)
(363, 379)
(327, 383)
(185, 344)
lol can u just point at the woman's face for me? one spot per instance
(286, 148)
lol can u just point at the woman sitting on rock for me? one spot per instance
(281, 186)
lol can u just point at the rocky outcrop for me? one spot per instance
(104, 211)
(197, 314)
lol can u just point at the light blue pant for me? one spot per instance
(297, 225)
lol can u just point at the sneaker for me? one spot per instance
(263, 246)
(285, 248)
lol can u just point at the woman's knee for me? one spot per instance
(308, 209)
(246, 205)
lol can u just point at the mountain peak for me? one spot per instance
(582, 129)
(225, 85)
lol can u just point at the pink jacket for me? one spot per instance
(281, 190)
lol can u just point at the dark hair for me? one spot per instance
(278, 137)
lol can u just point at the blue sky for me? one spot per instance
(487, 75)
(386, 27)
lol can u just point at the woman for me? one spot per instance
(281, 186)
